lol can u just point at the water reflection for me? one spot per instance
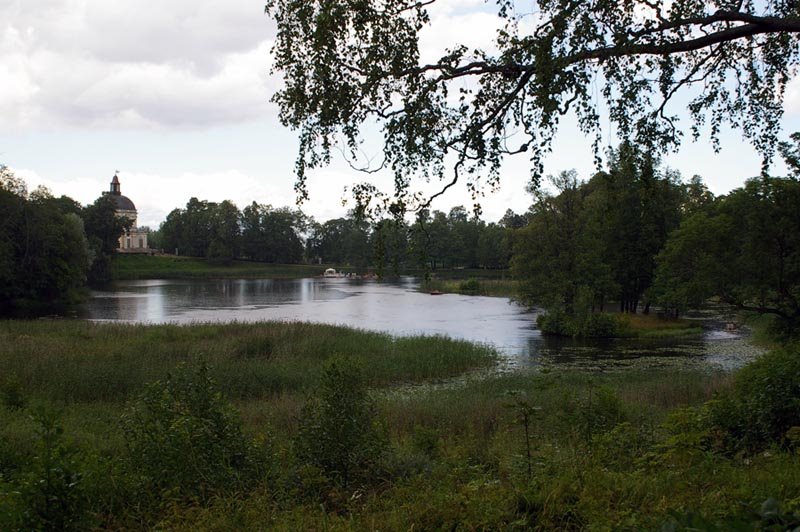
(399, 309)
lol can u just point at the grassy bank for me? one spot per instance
(473, 286)
(651, 326)
(131, 267)
(556, 451)
(614, 325)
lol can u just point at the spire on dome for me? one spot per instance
(115, 188)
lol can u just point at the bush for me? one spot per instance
(182, 437)
(600, 326)
(597, 412)
(593, 325)
(763, 404)
(339, 432)
(48, 493)
(471, 286)
(555, 322)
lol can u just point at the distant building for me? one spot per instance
(135, 239)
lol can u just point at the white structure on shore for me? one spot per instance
(135, 239)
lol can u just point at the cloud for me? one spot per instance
(122, 64)
(458, 24)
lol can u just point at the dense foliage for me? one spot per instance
(285, 236)
(339, 431)
(595, 242)
(103, 229)
(182, 436)
(744, 249)
(347, 65)
(44, 253)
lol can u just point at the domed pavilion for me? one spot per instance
(135, 239)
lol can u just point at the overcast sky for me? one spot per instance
(175, 95)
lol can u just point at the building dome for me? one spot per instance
(134, 239)
(123, 203)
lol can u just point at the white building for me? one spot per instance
(135, 239)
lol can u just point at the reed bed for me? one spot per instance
(76, 361)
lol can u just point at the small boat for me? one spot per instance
(436, 293)
(330, 272)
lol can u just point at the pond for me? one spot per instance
(400, 309)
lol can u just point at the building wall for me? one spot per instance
(133, 240)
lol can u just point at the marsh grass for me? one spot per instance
(473, 286)
(652, 326)
(74, 361)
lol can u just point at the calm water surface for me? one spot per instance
(398, 308)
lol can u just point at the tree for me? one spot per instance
(103, 229)
(746, 251)
(224, 226)
(634, 206)
(349, 64)
(493, 250)
(549, 253)
(44, 254)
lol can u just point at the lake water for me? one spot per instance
(398, 308)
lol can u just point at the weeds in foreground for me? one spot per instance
(628, 450)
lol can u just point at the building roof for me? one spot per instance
(123, 203)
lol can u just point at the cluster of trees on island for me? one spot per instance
(636, 235)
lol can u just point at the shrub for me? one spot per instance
(339, 432)
(470, 286)
(600, 326)
(555, 322)
(598, 411)
(769, 516)
(48, 494)
(11, 395)
(592, 325)
(181, 436)
(763, 404)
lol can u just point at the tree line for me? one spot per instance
(637, 235)
(283, 235)
(50, 248)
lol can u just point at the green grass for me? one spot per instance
(75, 361)
(617, 450)
(129, 267)
(132, 267)
(651, 326)
(473, 286)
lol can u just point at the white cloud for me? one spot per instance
(90, 63)
(450, 27)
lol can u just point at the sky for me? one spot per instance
(174, 95)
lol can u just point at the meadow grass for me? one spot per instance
(82, 361)
(610, 450)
